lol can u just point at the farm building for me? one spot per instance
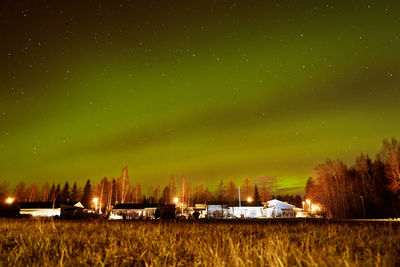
(48, 209)
(248, 210)
(277, 208)
(133, 211)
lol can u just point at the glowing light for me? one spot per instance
(249, 199)
(176, 200)
(316, 207)
(309, 204)
(10, 200)
(95, 202)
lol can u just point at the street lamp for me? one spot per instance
(249, 199)
(309, 203)
(95, 202)
(9, 200)
(176, 200)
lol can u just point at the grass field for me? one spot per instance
(39, 242)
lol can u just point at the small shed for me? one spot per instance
(277, 208)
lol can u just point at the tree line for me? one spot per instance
(120, 190)
(370, 188)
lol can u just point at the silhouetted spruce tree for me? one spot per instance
(144, 199)
(58, 193)
(4, 190)
(172, 190)
(114, 192)
(75, 193)
(52, 193)
(221, 191)
(369, 188)
(87, 194)
(45, 192)
(256, 194)
(32, 193)
(231, 193)
(265, 194)
(297, 201)
(245, 190)
(165, 198)
(207, 195)
(156, 195)
(309, 186)
(199, 194)
(20, 192)
(65, 193)
(389, 205)
(102, 192)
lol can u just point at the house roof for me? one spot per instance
(72, 204)
(280, 204)
(217, 203)
(133, 206)
(47, 205)
(236, 204)
(247, 204)
(39, 205)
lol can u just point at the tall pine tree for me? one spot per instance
(52, 193)
(257, 197)
(65, 193)
(75, 193)
(87, 194)
(58, 193)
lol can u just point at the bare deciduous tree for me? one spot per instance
(391, 156)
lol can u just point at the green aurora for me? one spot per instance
(209, 90)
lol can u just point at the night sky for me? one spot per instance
(210, 90)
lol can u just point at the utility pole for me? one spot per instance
(101, 194)
(362, 201)
(240, 204)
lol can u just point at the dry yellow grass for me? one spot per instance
(44, 242)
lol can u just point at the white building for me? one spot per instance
(277, 208)
(218, 210)
(221, 210)
(45, 209)
(248, 210)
